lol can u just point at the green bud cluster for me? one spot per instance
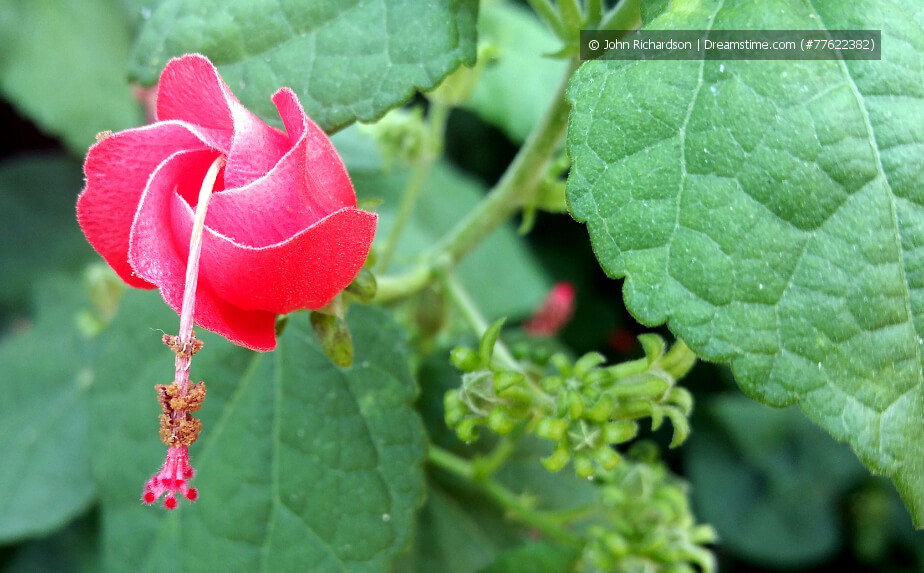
(490, 395)
(401, 135)
(645, 523)
(584, 407)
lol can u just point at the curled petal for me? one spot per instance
(309, 183)
(159, 255)
(305, 271)
(191, 90)
(117, 169)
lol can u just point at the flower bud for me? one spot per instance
(557, 460)
(619, 432)
(363, 286)
(650, 387)
(465, 359)
(587, 363)
(467, 429)
(561, 363)
(602, 410)
(507, 379)
(500, 422)
(551, 429)
(575, 405)
(334, 337)
(583, 465)
(606, 456)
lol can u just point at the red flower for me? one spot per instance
(282, 229)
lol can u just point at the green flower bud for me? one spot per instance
(606, 457)
(500, 422)
(551, 429)
(681, 398)
(557, 460)
(587, 363)
(465, 359)
(583, 465)
(619, 432)
(334, 337)
(552, 384)
(575, 405)
(602, 410)
(561, 363)
(616, 545)
(653, 345)
(650, 387)
(363, 286)
(632, 410)
(680, 423)
(678, 361)
(467, 429)
(507, 379)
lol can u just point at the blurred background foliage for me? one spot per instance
(781, 494)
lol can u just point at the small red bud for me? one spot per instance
(192, 494)
(170, 502)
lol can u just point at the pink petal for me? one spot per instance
(308, 184)
(159, 256)
(305, 271)
(191, 89)
(117, 170)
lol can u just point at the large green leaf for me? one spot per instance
(38, 228)
(769, 482)
(45, 475)
(63, 65)
(514, 90)
(771, 212)
(301, 465)
(346, 60)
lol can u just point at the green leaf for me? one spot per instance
(38, 226)
(456, 534)
(345, 60)
(75, 549)
(300, 464)
(771, 213)
(63, 65)
(515, 90)
(769, 482)
(45, 475)
(502, 275)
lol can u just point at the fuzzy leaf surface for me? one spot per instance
(346, 60)
(301, 464)
(771, 212)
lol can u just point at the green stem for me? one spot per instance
(486, 466)
(507, 499)
(549, 15)
(478, 323)
(514, 190)
(436, 123)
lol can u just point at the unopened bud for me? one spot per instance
(650, 387)
(507, 379)
(606, 456)
(363, 286)
(619, 432)
(557, 460)
(551, 429)
(583, 465)
(602, 410)
(467, 429)
(333, 334)
(500, 422)
(465, 359)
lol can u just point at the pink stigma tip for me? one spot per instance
(171, 479)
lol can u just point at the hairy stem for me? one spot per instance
(502, 496)
(514, 190)
(184, 338)
(436, 127)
